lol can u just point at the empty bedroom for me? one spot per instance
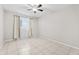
(39, 29)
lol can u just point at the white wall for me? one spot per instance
(34, 25)
(1, 26)
(62, 26)
(8, 26)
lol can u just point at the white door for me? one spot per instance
(24, 27)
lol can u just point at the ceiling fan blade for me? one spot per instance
(40, 10)
(40, 5)
(30, 5)
(29, 9)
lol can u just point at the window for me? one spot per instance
(24, 27)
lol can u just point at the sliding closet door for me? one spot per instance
(24, 27)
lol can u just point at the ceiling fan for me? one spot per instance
(35, 8)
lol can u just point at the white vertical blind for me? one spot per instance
(25, 28)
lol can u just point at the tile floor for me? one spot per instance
(36, 47)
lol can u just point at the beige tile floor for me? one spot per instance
(36, 47)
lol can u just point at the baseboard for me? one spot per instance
(8, 40)
(52, 39)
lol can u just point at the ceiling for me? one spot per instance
(22, 8)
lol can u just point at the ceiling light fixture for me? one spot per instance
(34, 10)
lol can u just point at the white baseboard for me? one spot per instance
(45, 37)
(8, 40)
